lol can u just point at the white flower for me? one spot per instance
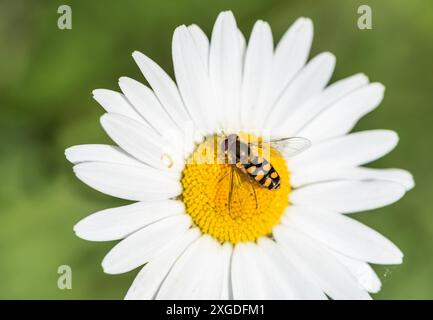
(296, 242)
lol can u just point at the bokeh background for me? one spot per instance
(46, 79)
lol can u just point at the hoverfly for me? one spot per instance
(247, 164)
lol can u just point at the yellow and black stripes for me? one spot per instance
(263, 172)
(258, 168)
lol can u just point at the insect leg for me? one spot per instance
(254, 192)
(230, 189)
(239, 184)
(225, 175)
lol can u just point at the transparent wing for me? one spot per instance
(288, 147)
(237, 189)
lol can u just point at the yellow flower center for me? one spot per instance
(225, 202)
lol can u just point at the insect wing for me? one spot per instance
(238, 189)
(288, 147)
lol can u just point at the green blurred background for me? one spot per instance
(46, 80)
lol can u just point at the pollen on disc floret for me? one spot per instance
(231, 209)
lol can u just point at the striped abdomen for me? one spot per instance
(262, 171)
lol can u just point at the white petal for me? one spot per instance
(309, 82)
(262, 272)
(314, 106)
(99, 153)
(164, 88)
(305, 177)
(323, 268)
(193, 79)
(225, 67)
(362, 271)
(344, 234)
(140, 142)
(197, 274)
(247, 281)
(141, 246)
(146, 103)
(127, 182)
(258, 61)
(340, 118)
(290, 56)
(117, 223)
(226, 291)
(242, 44)
(349, 195)
(150, 278)
(201, 42)
(284, 274)
(348, 151)
(115, 102)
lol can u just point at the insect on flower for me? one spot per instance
(229, 215)
(247, 159)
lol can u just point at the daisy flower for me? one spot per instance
(200, 235)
